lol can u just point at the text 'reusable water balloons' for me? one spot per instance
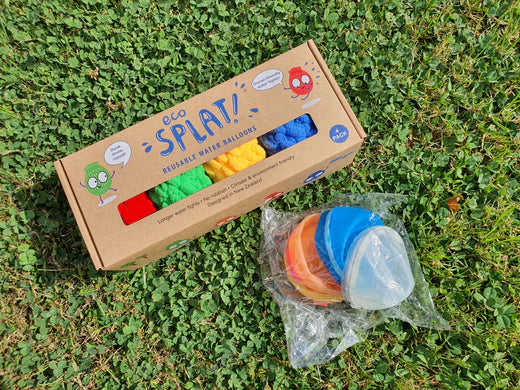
(350, 247)
(218, 168)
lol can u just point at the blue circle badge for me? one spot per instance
(338, 134)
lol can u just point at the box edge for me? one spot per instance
(337, 90)
(78, 215)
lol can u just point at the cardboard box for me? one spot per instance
(176, 140)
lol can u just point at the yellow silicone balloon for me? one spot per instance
(235, 160)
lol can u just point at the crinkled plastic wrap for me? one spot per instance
(319, 327)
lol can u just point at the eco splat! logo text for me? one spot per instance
(203, 127)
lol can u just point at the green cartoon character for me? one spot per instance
(98, 181)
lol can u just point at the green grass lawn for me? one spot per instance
(436, 85)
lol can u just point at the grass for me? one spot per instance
(435, 85)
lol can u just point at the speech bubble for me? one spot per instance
(118, 153)
(268, 79)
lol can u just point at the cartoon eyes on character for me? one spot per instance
(305, 80)
(271, 197)
(314, 176)
(223, 221)
(92, 183)
(102, 177)
(300, 82)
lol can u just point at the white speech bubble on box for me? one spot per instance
(267, 79)
(118, 153)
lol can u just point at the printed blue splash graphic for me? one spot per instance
(147, 146)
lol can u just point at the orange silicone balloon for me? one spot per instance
(318, 298)
(289, 265)
(304, 264)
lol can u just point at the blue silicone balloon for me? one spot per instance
(321, 246)
(342, 226)
(289, 134)
(336, 231)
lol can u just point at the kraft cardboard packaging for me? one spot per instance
(196, 131)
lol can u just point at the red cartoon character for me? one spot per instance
(300, 82)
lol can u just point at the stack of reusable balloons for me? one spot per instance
(348, 254)
(219, 168)
(191, 182)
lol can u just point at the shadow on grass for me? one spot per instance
(54, 235)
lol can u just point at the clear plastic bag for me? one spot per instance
(319, 322)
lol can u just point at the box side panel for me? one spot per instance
(335, 86)
(78, 215)
(268, 191)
